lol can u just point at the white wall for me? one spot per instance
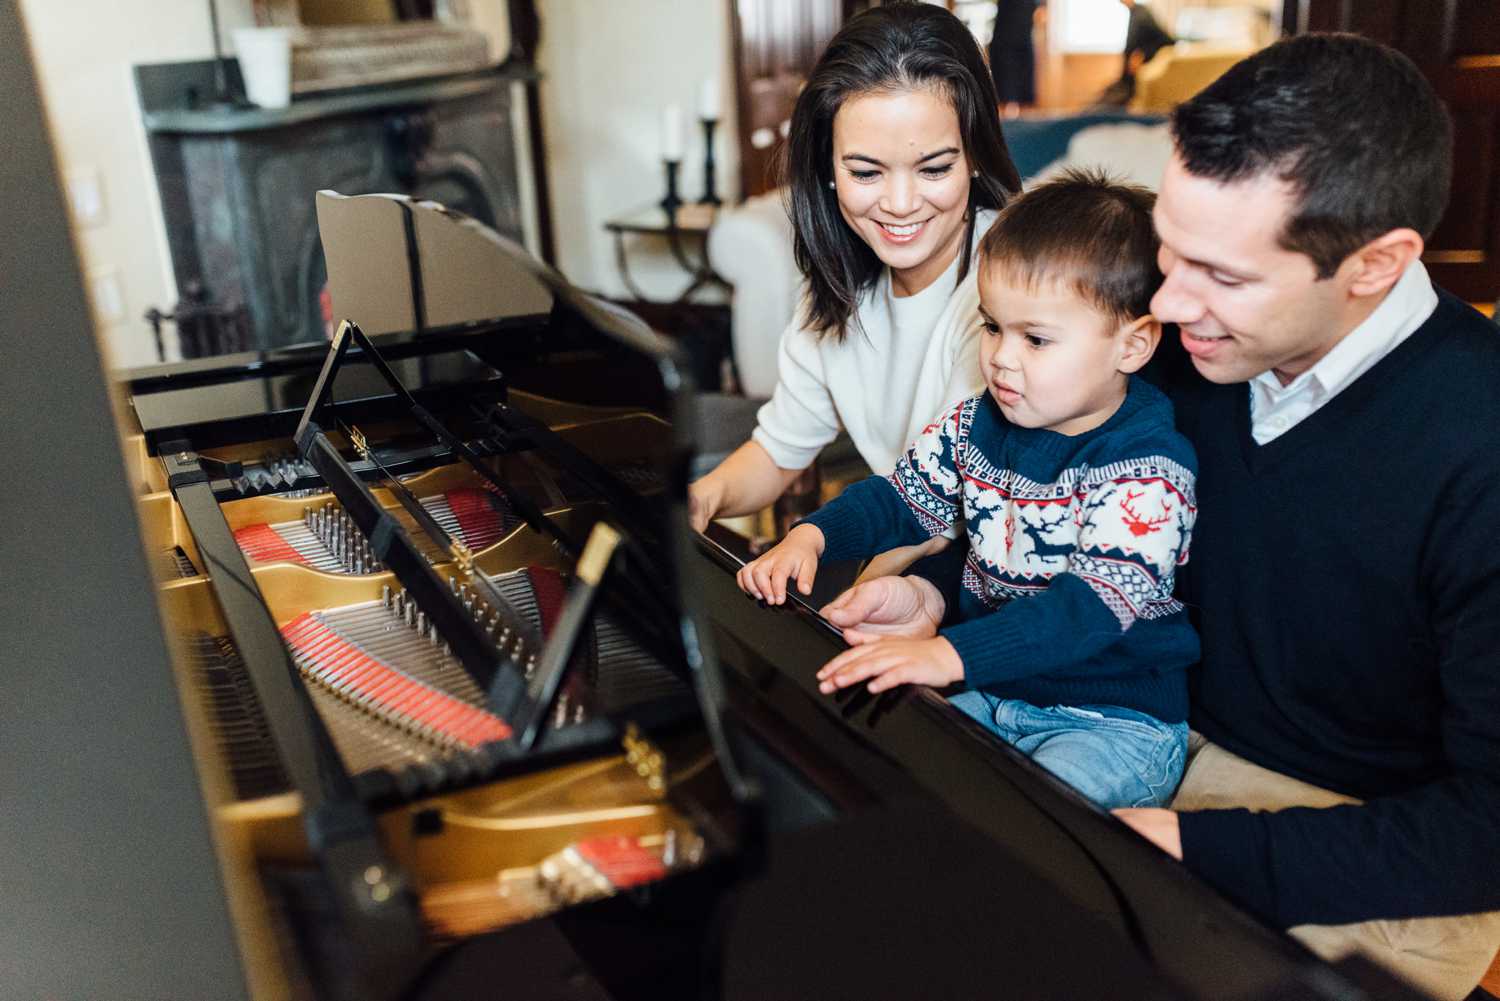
(84, 50)
(610, 65)
(610, 68)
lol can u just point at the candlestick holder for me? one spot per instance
(671, 201)
(710, 194)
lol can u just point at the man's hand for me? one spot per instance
(892, 662)
(909, 607)
(1155, 825)
(794, 556)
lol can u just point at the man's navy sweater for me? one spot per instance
(1073, 543)
(1346, 585)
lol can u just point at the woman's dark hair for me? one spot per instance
(1350, 125)
(1086, 231)
(896, 47)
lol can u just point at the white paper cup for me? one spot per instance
(265, 56)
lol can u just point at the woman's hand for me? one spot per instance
(705, 497)
(795, 556)
(910, 607)
(742, 484)
(891, 662)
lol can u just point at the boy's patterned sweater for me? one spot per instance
(1088, 529)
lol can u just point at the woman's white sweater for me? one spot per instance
(903, 364)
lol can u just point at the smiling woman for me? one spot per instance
(894, 166)
(905, 182)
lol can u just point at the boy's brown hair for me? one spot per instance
(1085, 230)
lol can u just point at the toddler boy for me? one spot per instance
(1077, 496)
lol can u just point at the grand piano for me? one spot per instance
(447, 701)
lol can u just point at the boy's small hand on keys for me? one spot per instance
(891, 662)
(794, 556)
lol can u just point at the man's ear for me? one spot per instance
(1138, 340)
(1379, 264)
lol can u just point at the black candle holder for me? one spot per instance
(710, 194)
(671, 201)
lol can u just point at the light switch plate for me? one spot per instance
(86, 196)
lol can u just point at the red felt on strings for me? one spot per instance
(264, 544)
(387, 691)
(621, 860)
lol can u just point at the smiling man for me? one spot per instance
(1346, 578)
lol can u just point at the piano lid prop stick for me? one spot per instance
(572, 624)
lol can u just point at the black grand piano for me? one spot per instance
(475, 714)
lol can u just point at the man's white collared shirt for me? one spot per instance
(1275, 409)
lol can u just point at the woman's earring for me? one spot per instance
(830, 185)
(974, 174)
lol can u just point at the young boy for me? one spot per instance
(1077, 495)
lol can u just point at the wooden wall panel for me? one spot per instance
(776, 43)
(1457, 45)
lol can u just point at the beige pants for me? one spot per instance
(1443, 956)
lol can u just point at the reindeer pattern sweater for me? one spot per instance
(1073, 544)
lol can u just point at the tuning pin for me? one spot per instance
(669, 848)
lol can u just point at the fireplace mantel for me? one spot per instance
(237, 185)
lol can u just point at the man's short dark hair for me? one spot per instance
(1350, 124)
(1086, 231)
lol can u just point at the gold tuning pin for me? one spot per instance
(361, 445)
(463, 557)
(645, 757)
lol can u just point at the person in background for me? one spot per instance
(1012, 54)
(1144, 37)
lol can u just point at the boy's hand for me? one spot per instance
(892, 662)
(794, 556)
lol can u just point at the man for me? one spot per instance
(1345, 570)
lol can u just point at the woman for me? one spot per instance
(895, 164)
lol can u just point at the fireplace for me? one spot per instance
(237, 186)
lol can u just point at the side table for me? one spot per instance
(686, 232)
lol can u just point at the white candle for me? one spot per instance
(708, 99)
(671, 132)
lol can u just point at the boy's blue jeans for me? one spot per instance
(1114, 756)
